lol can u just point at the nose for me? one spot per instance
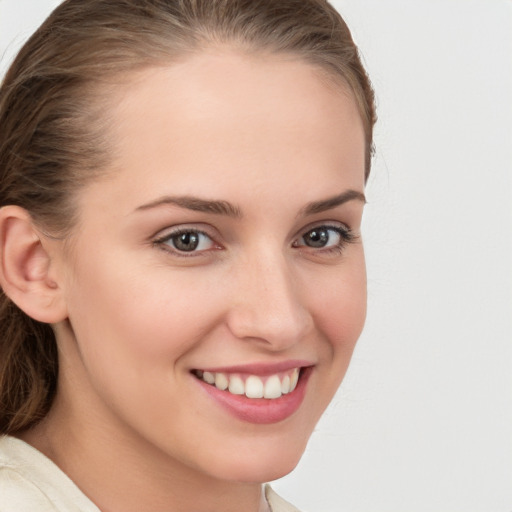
(267, 304)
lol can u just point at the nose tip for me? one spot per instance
(268, 307)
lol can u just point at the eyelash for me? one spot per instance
(346, 237)
(165, 241)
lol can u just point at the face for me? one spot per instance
(215, 283)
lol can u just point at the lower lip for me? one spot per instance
(260, 410)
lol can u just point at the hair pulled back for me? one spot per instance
(53, 119)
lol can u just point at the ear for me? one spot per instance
(26, 267)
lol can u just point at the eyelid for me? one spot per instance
(163, 236)
(171, 230)
(347, 236)
(332, 224)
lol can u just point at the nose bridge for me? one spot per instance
(268, 305)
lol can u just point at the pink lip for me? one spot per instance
(260, 369)
(259, 410)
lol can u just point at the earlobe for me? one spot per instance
(25, 268)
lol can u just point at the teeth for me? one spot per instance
(221, 381)
(285, 385)
(270, 387)
(253, 387)
(294, 379)
(208, 377)
(236, 385)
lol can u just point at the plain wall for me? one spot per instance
(423, 421)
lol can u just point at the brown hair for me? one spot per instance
(53, 126)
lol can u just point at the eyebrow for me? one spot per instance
(332, 202)
(226, 208)
(195, 204)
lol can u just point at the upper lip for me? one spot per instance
(259, 368)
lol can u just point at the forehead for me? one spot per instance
(222, 118)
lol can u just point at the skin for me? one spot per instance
(268, 134)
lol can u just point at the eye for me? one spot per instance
(186, 241)
(325, 237)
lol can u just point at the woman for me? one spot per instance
(182, 270)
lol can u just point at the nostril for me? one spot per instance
(278, 327)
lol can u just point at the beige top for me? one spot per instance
(31, 482)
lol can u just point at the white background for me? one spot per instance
(423, 421)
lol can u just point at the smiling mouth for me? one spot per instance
(270, 387)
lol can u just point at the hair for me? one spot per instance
(54, 136)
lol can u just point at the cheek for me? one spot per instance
(138, 309)
(132, 327)
(340, 305)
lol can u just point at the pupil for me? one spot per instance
(186, 241)
(317, 238)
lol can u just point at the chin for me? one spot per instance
(261, 464)
(263, 473)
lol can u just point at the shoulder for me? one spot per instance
(19, 494)
(31, 482)
(276, 503)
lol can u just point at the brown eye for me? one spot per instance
(185, 241)
(318, 237)
(188, 241)
(322, 236)
(325, 237)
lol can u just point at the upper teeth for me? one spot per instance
(252, 386)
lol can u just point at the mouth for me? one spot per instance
(269, 387)
(257, 394)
